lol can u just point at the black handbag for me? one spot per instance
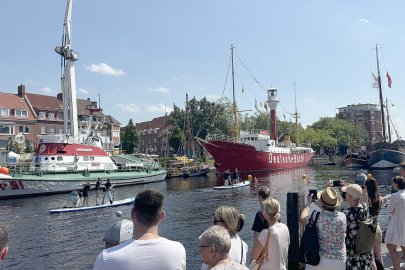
(309, 245)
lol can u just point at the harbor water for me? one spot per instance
(38, 240)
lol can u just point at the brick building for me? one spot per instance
(24, 116)
(367, 114)
(154, 136)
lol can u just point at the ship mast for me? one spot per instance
(235, 127)
(68, 79)
(381, 96)
(296, 116)
(388, 121)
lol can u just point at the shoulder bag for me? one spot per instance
(254, 265)
(309, 244)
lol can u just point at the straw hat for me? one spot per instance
(328, 197)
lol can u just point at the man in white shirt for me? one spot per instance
(146, 249)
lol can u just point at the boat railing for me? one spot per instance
(221, 137)
(27, 168)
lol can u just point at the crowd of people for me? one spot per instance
(222, 248)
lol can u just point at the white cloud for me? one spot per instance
(131, 107)
(158, 108)
(105, 69)
(363, 21)
(160, 89)
(47, 89)
(83, 91)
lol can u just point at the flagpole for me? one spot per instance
(381, 97)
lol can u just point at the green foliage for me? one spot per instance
(204, 116)
(129, 138)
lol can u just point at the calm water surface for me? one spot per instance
(39, 240)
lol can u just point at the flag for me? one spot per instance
(375, 83)
(389, 80)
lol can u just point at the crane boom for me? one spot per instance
(68, 80)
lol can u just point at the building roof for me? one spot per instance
(83, 106)
(45, 103)
(158, 122)
(110, 119)
(13, 101)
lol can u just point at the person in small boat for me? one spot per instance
(235, 177)
(86, 190)
(108, 188)
(226, 178)
(97, 188)
(76, 197)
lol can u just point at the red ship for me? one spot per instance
(256, 150)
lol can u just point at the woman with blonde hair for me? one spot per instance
(277, 237)
(232, 220)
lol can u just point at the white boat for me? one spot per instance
(238, 185)
(84, 208)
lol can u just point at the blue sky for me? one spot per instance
(143, 56)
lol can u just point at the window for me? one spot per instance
(91, 158)
(85, 158)
(59, 158)
(3, 112)
(6, 129)
(23, 130)
(60, 116)
(43, 130)
(51, 116)
(60, 130)
(154, 140)
(42, 115)
(51, 130)
(20, 113)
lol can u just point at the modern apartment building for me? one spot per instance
(369, 115)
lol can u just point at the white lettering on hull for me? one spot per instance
(277, 159)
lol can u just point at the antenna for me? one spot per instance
(296, 116)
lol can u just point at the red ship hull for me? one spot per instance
(231, 155)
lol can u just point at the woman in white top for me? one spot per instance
(395, 234)
(277, 250)
(230, 218)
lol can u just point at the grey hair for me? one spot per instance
(217, 237)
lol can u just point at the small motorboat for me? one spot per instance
(238, 185)
(84, 208)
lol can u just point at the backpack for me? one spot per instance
(309, 244)
(366, 235)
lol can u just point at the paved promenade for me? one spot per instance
(387, 259)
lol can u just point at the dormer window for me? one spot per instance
(3, 112)
(60, 116)
(42, 115)
(51, 116)
(20, 113)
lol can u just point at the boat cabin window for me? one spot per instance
(59, 158)
(85, 158)
(91, 158)
(46, 158)
(52, 158)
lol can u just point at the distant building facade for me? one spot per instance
(24, 116)
(367, 114)
(154, 136)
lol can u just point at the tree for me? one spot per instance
(129, 138)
